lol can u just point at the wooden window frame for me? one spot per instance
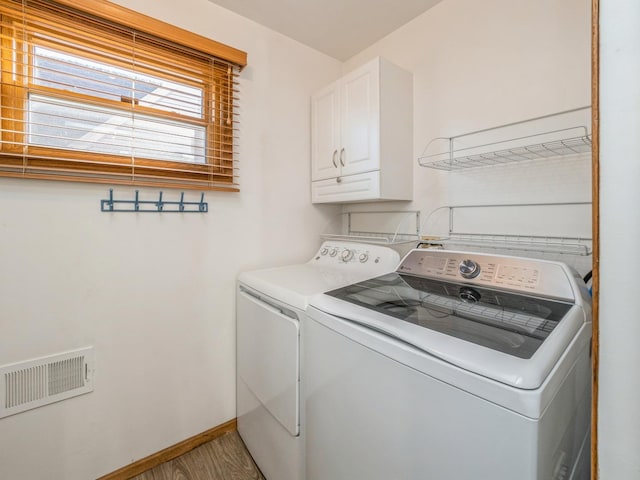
(195, 61)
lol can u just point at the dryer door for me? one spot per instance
(268, 355)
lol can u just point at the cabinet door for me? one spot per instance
(360, 95)
(325, 133)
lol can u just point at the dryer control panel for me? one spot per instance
(354, 254)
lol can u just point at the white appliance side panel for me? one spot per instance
(270, 362)
(566, 425)
(369, 417)
(279, 455)
(396, 132)
(351, 188)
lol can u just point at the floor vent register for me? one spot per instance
(45, 380)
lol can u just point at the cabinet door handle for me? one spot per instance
(342, 156)
(333, 159)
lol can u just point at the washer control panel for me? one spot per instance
(527, 275)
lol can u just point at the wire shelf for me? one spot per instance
(372, 237)
(514, 142)
(456, 160)
(393, 228)
(548, 244)
(577, 246)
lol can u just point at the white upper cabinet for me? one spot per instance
(361, 138)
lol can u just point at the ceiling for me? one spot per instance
(339, 28)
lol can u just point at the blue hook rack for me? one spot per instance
(159, 205)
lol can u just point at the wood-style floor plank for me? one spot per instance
(161, 472)
(225, 458)
(233, 459)
(196, 465)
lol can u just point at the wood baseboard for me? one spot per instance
(169, 453)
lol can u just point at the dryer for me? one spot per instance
(271, 304)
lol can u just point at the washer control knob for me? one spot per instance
(363, 257)
(347, 254)
(324, 251)
(333, 252)
(469, 269)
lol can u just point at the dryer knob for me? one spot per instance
(333, 252)
(469, 269)
(324, 251)
(363, 257)
(347, 254)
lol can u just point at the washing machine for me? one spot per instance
(457, 366)
(271, 304)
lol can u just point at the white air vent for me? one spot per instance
(45, 380)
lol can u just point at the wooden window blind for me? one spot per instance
(87, 98)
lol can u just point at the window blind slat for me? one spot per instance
(159, 29)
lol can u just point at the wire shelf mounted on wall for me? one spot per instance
(578, 246)
(398, 229)
(554, 244)
(508, 144)
(160, 205)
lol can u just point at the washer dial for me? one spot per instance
(469, 269)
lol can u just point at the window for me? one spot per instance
(88, 98)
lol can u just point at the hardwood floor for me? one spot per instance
(225, 458)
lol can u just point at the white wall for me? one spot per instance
(483, 64)
(155, 293)
(619, 382)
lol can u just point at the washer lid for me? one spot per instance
(508, 322)
(511, 338)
